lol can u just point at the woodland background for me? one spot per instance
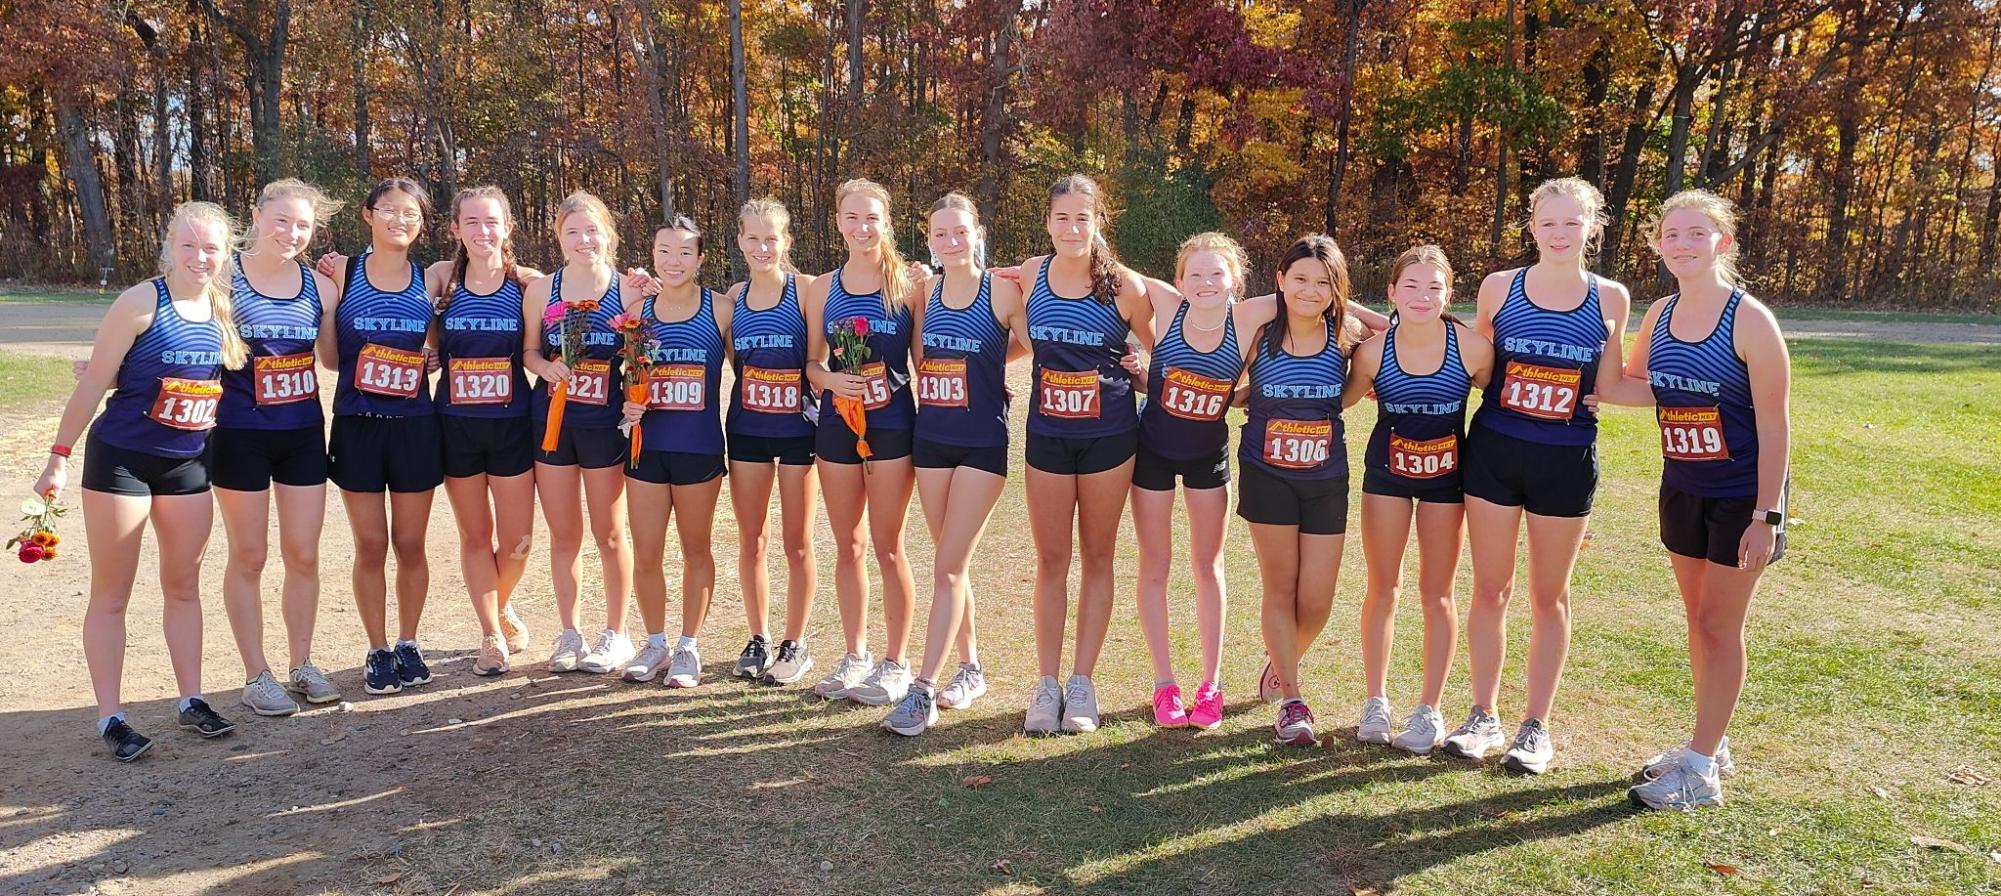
(1861, 135)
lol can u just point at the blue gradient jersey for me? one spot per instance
(1545, 362)
(1702, 393)
(479, 354)
(1081, 391)
(962, 379)
(381, 336)
(769, 397)
(1294, 429)
(280, 388)
(887, 372)
(592, 403)
(168, 387)
(1189, 391)
(1420, 420)
(683, 413)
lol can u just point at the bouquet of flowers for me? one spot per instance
(574, 318)
(38, 541)
(637, 353)
(851, 350)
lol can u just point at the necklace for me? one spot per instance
(1188, 320)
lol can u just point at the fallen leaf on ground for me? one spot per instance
(1095, 809)
(976, 782)
(1936, 843)
(1721, 869)
(1967, 775)
(1003, 866)
(1359, 890)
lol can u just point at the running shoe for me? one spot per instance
(1168, 710)
(1679, 789)
(1295, 724)
(569, 651)
(492, 659)
(1662, 762)
(124, 743)
(1476, 737)
(1374, 727)
(199, 718)
(308, 682)
(1080, 705)
(887, 684)
(684, 668)
(610, 652)
(916, 712)
(266, 697)
(1532, 750)
(1045, 708)
(752, 663)
(794, 660)
(410, 668)
(967, 684)
(847, 673)
(1422, 732)
(1208, 711)
(379, 672)
(649, 662)
(512, 629)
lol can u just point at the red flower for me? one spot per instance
(31, 552)
(861, 326)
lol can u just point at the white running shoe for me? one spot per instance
(1080, 705)
(1374, 728)
(568, 653)
(1422, 733)
(611, 650)
(1045, 708)
(1680, 789)
(1668, 759)
(266, 697)
(846, 674)
(885, 685)
(647, 663)
(684, 668)
(1532, 750)
(1476, 737)
(967, 684)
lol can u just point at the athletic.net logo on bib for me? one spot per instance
(1068, 394)
(481, 380)
(1545, 393)
(1192, 396)
(1693, 434)
(284, 379)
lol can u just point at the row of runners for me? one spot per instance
(214, 365)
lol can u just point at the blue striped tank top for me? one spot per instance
(767, 399)
(1294, 428)
(962, 380)
(683, 414)
(381, 336)
(1081, 392)
(280, 388)
(1702, 393)
(888, 368)
(1420, 420)
(479, 354)
(594, 404)
(168, 385)
(1189, 392)
(1545, 362)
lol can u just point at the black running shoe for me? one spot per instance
(203, 720)
(754, 659)
(379, 673)
(125, 744)
(410, 668)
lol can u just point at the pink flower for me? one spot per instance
(861, 326)
(552, 315)
(626, 320)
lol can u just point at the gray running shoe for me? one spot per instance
(754, 660)
(647, 663)
(1476, 737)
(1374, 728)
(1080, 705)
(1045, 708)
(1661, 763)
(309, 682)
(915, 713)
(794, 660)
(886, 684)
(1679, 789)
(266, 697)
(1422, 733)
(684, 668)
(847, 674)
(568, 653)
(1532, 750)
(967, 684)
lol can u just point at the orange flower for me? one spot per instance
(43, 538)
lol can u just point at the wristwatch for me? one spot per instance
(1769, 517)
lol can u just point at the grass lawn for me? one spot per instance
(29, 379)
(1876, 671)
(18, 292)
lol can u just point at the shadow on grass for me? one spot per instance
(587, 785)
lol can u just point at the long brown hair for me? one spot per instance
(459, 258)
(1105, 281)
(1321, 248)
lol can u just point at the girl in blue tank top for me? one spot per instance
(873, 286)
(582, 468)
(1715, 365)
(1420, 372)
(270, 443)
(381, 332)
(162, 346)
(1082, 426)
(1191, 384)
(965, 336)
(1557, 332)
(768, 398)
(483, 407)
(678, 473)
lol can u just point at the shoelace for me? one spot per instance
(1164, 701)
(787, 652)
(1292, 714)
(1530, 740)
(1046, 695)
(1077, 694)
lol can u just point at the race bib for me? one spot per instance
(1694, 434)
(1298, 444)
(1428, 459)
(481, 380)
(1192, 396)
(767, 391)
(875, 385)
(677, 387)
(186, 404)
(1069, 395)
(389, 372)
(941, 382)
(592, 381)
(283, 379)
(1545, 393)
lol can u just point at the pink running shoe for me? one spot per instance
(1295, 724)
(1208, 712)
(1168, 710)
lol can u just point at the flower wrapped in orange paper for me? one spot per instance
(574, 318)
(637, 351)
(850, 349)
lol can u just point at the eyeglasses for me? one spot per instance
(407, 217)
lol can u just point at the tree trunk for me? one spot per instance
(1688, 76)
(740, 100)
(1622, 181)
(1352, 34)
(265, 52)
(1591, 154)
(1501, 139)
(201, 166)
(80, 164)
(362, 41)
(656, 101)
(855, 16)
(994, 124)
